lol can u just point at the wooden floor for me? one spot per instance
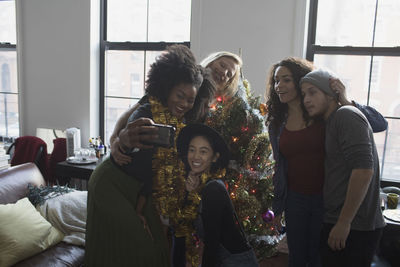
(280, 260)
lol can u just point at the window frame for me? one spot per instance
(5, 47)
(128, 46)
(312, 49)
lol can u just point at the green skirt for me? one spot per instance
(114, 233)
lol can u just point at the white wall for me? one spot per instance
(58, 44)
(54, 57)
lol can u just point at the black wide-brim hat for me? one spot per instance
(191, 130)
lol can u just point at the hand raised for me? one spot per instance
(192, 181)
(136, 133)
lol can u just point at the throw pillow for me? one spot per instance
(24, 232)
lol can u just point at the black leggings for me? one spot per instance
(178, 251)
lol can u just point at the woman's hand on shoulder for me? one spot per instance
(338, 87)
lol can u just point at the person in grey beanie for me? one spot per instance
(353, 220)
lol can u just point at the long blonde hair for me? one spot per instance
(232, 85)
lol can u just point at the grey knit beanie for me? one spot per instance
(320, 79)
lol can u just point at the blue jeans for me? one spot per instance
(304, 217)
(244, 259)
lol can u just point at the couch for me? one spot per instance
(13, 187)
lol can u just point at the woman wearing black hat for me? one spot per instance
(205, 156)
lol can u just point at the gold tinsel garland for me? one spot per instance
(186, 213)
(169, 185)
(168, 181)
(257, 142)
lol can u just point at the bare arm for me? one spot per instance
(356, 191)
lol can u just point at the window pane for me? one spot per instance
(125, 73)
(385, 85)
(114, 107)
(353, 71)
(7, 22)
(380, 145)
(345, 22)
(127, 20)
(9, 123)
(391, 163)
(387, 24)
(150, 59)
(169, 21)
(8, 71)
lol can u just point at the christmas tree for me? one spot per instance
(241, 123)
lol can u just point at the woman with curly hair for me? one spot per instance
(225, 72)
(298, 149)
(124, 202)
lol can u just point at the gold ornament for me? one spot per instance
(263, 109)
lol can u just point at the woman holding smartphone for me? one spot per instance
(225, 72)
(121, 229)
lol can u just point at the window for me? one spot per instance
(360, 42)
(9, 115)
(133, 33)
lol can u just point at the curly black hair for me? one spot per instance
(277, 111)
(175, 66)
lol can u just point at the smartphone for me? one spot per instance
(166, 136)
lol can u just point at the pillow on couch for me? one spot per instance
(24, 232)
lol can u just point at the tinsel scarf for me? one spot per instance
(169, 183)
(170, 196)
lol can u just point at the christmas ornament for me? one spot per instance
(263, 109)
(268, 216)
